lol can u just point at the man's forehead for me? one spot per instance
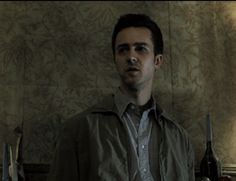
(134, 35)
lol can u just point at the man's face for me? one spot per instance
(134, 57)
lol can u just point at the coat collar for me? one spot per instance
(109, 105)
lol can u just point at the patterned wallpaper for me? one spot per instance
(56, 60)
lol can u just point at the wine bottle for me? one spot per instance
(210, 165)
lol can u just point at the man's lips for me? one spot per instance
(132, 69)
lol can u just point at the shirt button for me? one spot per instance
(143, 146)
(144, 170)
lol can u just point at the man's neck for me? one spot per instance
(137, 96)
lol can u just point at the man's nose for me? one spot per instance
(131, 58)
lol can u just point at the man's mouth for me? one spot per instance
(131, 69)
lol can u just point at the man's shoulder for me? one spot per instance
(105, 104)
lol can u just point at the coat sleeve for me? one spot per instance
(64, 166)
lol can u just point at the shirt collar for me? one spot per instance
(122, 101)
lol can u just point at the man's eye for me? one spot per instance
(122, 50)
(141, 49)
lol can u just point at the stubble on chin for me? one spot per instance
(130, 83)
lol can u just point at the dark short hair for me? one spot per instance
(139, 20)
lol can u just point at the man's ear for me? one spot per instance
(158, 61)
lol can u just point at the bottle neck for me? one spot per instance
(209, 144)
(209, 134)
(209, 147)
(209, 129)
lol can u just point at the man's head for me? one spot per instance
(139, 20)
(137, 48)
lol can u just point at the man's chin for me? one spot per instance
(131, 84)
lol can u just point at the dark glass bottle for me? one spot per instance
(210, 165)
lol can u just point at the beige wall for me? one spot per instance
(56, 60)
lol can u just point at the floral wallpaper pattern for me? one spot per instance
(56, 60)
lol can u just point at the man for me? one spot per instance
(126, 137)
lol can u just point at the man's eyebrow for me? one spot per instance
(141, 44)
(122, 45)
(135, 44)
